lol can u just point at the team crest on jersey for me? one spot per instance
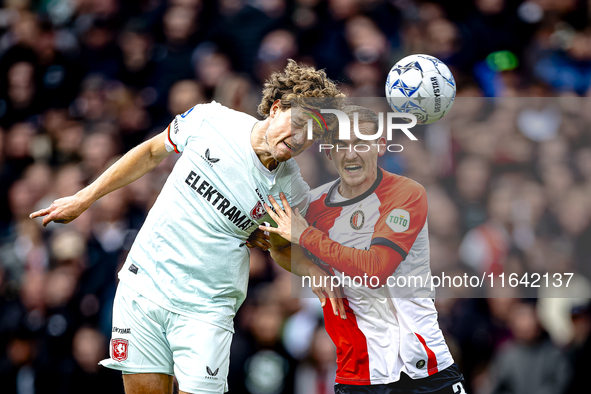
(119, 349)
(357, 220)
(258, 212)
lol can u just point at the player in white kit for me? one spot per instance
(186, 274)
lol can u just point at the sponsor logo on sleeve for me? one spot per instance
(398, 220)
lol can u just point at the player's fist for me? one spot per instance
(62, 210)
(319, 276)
(258, 239)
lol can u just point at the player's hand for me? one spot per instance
(322, 292)
(63, 210)
(258, 239)
(290, 225)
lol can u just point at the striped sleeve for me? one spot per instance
(401, 218)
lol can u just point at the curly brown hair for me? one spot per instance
(296, 81)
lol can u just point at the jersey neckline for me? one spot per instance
(355, 200)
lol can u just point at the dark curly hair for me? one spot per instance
(296, 81)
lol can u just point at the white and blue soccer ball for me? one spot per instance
(421, 85)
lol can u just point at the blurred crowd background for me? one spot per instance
(509, 180)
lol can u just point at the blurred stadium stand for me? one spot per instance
(83, 81)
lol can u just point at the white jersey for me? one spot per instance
(190, 255)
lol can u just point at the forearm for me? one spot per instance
(282, 257)
(289, 256)
(379, 261)
(292, 259)
(132, 166)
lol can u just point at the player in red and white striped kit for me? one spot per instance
(374, 223)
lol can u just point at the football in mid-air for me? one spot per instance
(421, 85)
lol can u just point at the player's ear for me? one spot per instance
(328, 154)
(275, 108)
(382, 146)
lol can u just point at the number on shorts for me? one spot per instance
(458, 388)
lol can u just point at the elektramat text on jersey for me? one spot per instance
(233, 213)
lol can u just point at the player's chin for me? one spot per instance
(281, 157)
(285, 155)
(354, 179)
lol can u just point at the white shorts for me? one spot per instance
(147, 338)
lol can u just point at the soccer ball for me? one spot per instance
(421, 85)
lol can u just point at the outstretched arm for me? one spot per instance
(379, 261)
(133, 165)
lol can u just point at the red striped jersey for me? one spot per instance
(388, 329)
